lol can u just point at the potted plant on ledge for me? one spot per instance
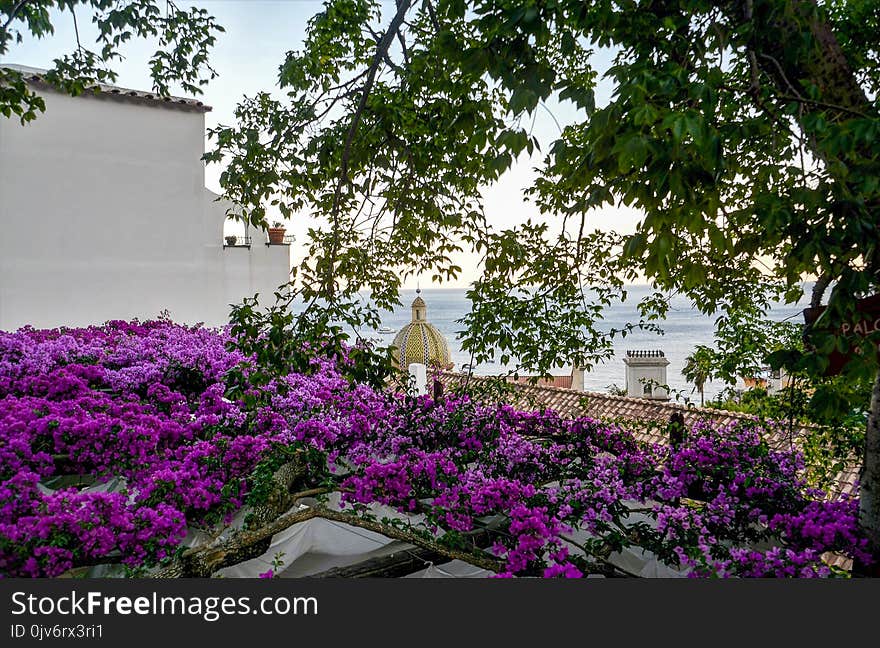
(230, 240)
(276, 233)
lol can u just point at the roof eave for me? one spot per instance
(106, 91)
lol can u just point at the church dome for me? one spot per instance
(420, 341)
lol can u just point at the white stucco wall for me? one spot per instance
(646, 371)
(254, 271)
(104, 215)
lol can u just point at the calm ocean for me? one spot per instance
(683, 328)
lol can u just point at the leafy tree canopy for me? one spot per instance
(752, 161)
(183, 36)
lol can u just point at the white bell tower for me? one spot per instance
(645, 372)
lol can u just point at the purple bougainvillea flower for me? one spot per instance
(143, 409)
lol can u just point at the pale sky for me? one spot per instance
(247, 56)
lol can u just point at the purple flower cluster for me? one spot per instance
(147, 403)
(139, 401)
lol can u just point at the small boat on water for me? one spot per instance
(386, 329)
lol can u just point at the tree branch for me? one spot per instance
(433, 15)
(205, 560)
(411, 537)
(381, 52)
(819, 290)
(15, 9)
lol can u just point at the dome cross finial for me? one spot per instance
(419, 309)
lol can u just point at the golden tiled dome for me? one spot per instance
(420, 341)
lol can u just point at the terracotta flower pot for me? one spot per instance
(276, 235)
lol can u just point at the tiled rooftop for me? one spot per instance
(637, 412)
(35, 76)
(644, 417)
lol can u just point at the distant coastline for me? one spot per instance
(684, 328)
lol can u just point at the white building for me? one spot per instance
(104, 214)
(771, 380)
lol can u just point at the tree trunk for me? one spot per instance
(869, 493)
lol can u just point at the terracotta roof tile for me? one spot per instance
(35, 76)
(563, 382)
(571, 403)
(645, 418)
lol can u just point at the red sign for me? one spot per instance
(866, 321)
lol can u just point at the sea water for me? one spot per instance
(683, 329)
